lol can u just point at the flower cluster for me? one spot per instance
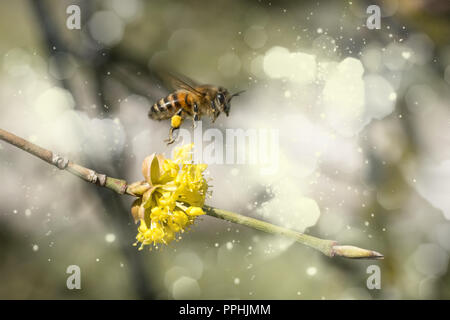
(170, 198)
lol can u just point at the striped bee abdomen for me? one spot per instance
(165, 108)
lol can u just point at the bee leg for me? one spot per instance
(195, 116)
(171, 140)
(175, 125)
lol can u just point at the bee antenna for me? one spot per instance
(238, 93)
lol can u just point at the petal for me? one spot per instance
(147, 197)
(138, 188)
(152, 168)
(135, 209)
(194, 211)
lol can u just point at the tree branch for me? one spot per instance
(328, 247)
(89, 175)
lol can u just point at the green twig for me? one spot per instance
(329, 248)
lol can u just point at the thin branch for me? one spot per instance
(89, 175)
(328, 247)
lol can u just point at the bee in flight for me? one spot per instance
(193, 102)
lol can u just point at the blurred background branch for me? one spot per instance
(97, 61)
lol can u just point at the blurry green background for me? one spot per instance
(363, 119)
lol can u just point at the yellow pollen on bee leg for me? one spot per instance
(175, 122)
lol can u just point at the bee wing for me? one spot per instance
(178, 83)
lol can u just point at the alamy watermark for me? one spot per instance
(73, 21)
(374, 20)
(74, 280)
(374, 280)
(256, 147)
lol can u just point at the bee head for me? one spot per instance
(222, 101)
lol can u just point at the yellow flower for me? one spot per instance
(194, 211)
(170, 199)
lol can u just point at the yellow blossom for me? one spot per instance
(171, 198)
(194, 211)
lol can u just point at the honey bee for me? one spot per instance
(193, 102)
